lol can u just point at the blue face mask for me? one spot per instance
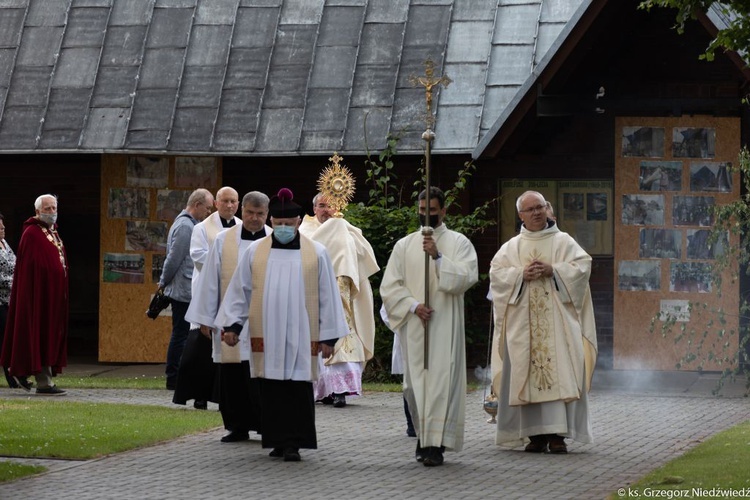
(284, 234)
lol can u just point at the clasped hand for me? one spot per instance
(537, 270)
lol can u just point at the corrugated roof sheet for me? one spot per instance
(262, 76)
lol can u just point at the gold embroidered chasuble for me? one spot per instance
(547, 324)
(353, 263)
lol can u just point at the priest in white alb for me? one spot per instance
(435, 395)
(353, 262)
(285, 287)
(239, 402)
(544, 345)
(196, 373)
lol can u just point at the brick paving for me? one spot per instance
(364, 453)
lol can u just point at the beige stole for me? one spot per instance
(211, 232)
(312, 302)
(214, 227)
(229, 257)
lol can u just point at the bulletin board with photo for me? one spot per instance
(669, 175)
(584, 211)
(141, 196)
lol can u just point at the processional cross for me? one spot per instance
(428, 82)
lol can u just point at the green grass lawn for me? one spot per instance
(721, 462)
(100, 382)
(75, 430)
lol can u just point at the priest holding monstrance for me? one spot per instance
(353, 262)
(285, 287)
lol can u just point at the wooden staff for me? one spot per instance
(427, 230)
(428, 82)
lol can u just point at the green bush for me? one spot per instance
(388, 215)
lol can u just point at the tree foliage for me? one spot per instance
(389, 214)
(734, 36)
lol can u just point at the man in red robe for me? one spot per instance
(36, 331)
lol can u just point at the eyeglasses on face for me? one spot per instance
(531, 210)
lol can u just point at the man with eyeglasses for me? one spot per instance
(322, 211)
(544, 347)
(177, 273)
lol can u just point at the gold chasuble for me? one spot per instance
(310, 282)
(547, 324)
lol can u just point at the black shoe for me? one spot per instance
(557, 444)
(23, 383)
(433, 457)
(339, 400)
(538, 444)
(276, 453)
(328, 400)
(11, 382)
(200, 404)
(235, 436)
(420, 453)
(50, 391)
(291, 455)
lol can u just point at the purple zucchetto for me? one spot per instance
(282, 205)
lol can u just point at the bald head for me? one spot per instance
(227, 201)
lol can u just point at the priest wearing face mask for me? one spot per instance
(285, 288)
(36, 331)
(435, 393)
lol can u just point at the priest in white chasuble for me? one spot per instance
(286, 290)
(239, 400)
(435, 394)
(544, 345)
(353, 262)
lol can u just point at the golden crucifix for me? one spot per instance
(428, 82)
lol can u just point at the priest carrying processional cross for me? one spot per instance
(423, 289)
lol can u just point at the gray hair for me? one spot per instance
(38, 202)
(256, 199)
(524, 195)
(200, 195)
(316, 198)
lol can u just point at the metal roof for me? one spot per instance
(262, 77)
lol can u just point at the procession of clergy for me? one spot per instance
(290, 314)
